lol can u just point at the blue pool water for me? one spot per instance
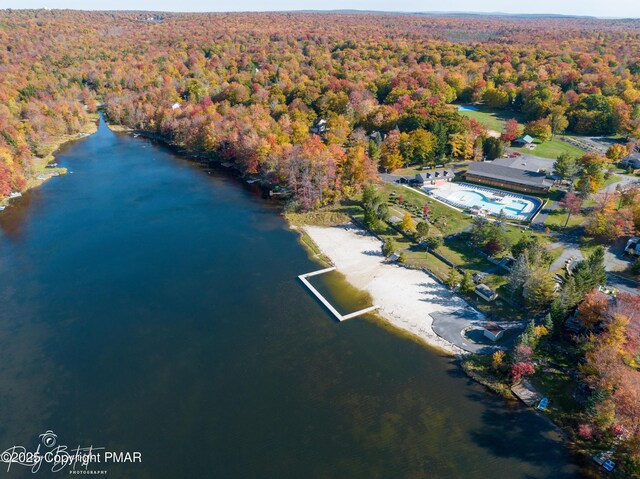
(512, 206)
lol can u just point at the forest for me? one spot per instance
(321, 103)
(247, 88)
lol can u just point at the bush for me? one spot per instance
(635, 268)
(434, 242)
(389, 247)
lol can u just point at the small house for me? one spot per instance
(319, 126)
(175, 106)
(493, 332)
(633, 246)
(485, 292)
(523, 141)
(421, 178)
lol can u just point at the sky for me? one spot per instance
(599, 8)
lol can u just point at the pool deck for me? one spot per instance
(446, 191)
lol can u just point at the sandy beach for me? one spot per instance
(406, 297)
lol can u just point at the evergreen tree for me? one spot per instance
(422, 230)
(519, 273)
(453, 279)
(565, 166)
(467, 285)
(596, 266)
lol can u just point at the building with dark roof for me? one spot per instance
(506, 177)
(632, 160)
(493, 331)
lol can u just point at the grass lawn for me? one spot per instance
(329, 216)
(423, 259)
(611, 180)
(558, 218)
(461, 254)
(492, 119)
(438, 212)
(588, 245)
(552, 149)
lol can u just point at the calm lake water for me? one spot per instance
(147, 305)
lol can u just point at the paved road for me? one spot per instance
(622, 284)
(538, 221)
(626, 180)
(452, 326)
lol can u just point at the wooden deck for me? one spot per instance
(526, 393)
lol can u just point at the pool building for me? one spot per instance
(507, 177)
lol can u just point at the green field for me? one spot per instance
(495, 119)
(492, 119)
(552, 149)
(558, 218)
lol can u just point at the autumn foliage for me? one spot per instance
(612, 367)
(248, 88)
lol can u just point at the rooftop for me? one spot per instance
(511, 175)
(525, 139)
(493, 328)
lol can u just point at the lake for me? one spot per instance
(147, 304)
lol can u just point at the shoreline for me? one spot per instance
(355, 254)
(41, 174)
(405, 296)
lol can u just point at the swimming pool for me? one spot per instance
(487, 200)
(467, 108)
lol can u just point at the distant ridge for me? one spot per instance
(463, 14)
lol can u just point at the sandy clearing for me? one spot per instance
(406, 297)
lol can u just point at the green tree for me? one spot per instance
(591, 178)
(422, 230)
(565, 166)
(596, 266)
(421, 147)
(635, 268)
(548, 323)
(589, 273)
(540, 289)
(495, 98)
(557, 120)
(467, 285)
(519, 274)
(389, 247)
(375, 207)
(434, 242)
(539, 129)
(493, 148)
(453, 278)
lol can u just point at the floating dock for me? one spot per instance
(325, 302)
